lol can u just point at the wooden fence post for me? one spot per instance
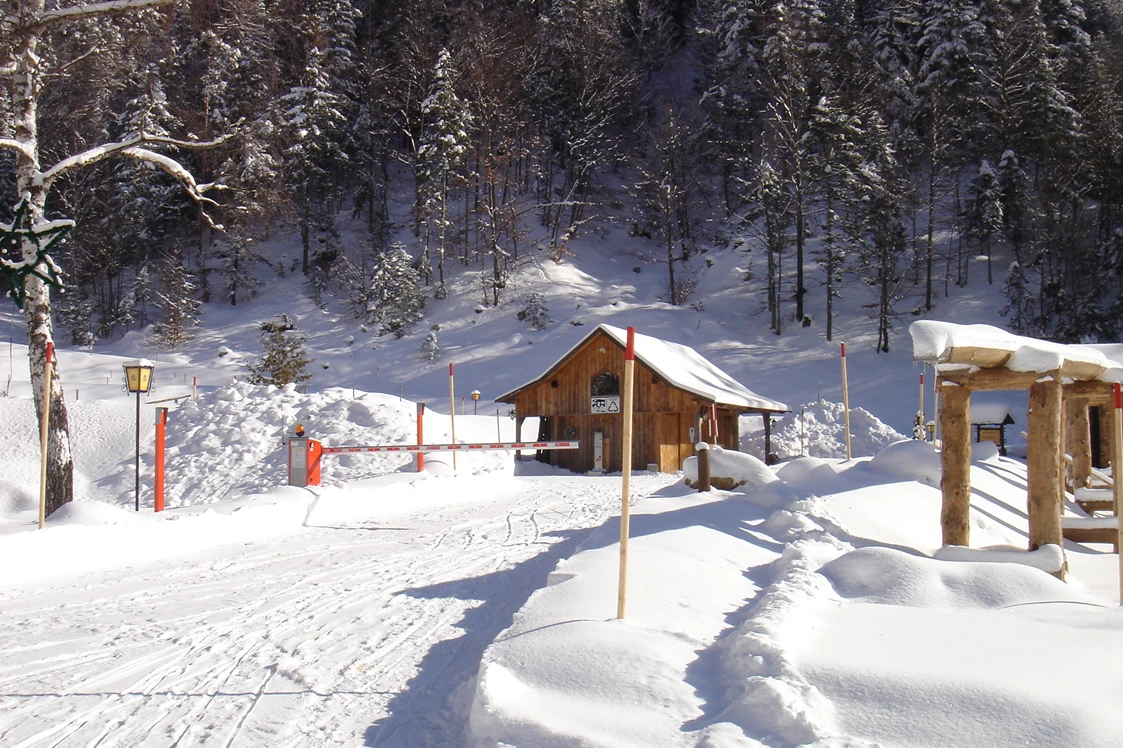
(1044, 458)
(955, 464)
(703, 466)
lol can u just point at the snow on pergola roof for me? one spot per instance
(680, 366)
(987, 347)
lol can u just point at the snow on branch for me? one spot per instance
(90, 10)
(18, 147)
(104, 151)
(180, 173)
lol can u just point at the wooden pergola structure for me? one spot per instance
(1058, 422)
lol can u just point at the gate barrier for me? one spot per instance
(304, 454)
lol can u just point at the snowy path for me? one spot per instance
(352, 633)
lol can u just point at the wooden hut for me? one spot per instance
(680, 399)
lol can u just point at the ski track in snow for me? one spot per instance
(256, 649)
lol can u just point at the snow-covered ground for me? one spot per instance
(476, 606)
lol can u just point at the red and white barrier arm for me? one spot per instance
(452, 447)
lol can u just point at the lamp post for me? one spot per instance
(138, 379)
(475, 400)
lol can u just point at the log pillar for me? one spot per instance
(1078, 441)
(955, 463)
(1045, 461)
(1107, 436)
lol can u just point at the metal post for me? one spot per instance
(158, 480)
(138, 450)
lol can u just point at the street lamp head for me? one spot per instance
(475, 394)
(138, 375)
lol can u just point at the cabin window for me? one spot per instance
(605, 383)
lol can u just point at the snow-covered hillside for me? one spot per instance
(476, 606)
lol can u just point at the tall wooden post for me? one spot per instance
(1044, 464)
(1078, 441)
(845, 399)
(626, 468)
(1117, 474)
(420, 435)
(452, 411)
(955, 464)
(44, 433)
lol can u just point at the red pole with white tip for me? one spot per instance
(845, 400)
(1117, 481)
(44, 434)
(452, 411)
(626, 468)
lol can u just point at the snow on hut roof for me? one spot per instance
(990, 412)
(680, 366)
(991, 347)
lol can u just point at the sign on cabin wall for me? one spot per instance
(606, 404)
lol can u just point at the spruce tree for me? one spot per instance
(285, 360)
(178, 304)
(396, 297)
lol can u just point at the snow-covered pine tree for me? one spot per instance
(396, 294)
(142, 296)
(1019, 301)
(535, 314)
(177, 302)
(1013, 189)
(837, 135)
(238, 258)
(984, 218)
(430, 346)
(315, 116)
(441, 155)
(75, 311)
(285, 360)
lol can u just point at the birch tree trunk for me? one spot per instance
(25, 24)
(27, 82)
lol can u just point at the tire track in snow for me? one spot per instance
(299, 640)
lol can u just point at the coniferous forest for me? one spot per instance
(886, 144)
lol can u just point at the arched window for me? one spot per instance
(605, 383)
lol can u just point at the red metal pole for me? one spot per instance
(161, 423)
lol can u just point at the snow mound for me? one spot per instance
(909, 459)
(1047, 558)
(891, 577)
(818, 429)
(729, 469)
(92, 513)
(232, 441)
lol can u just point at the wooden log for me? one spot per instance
(1078, 441)
(1044, 459)
(704, 482)
(955, 464)
(991, 379)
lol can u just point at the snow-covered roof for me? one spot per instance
(680, 366)
(991, 347)
(990, 412)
